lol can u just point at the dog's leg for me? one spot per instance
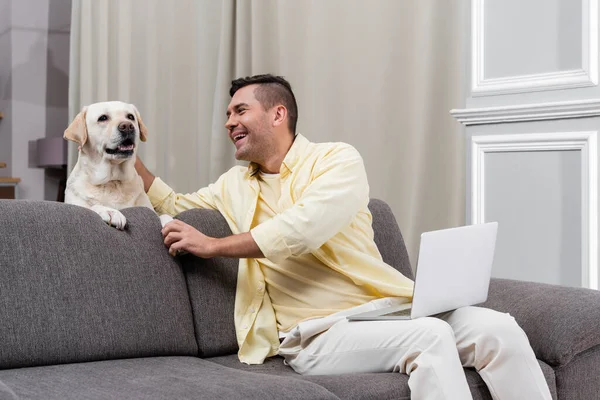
(110, 216)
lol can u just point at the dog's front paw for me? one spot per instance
(111, 216)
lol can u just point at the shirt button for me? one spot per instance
(252, 310)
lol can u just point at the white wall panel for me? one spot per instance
(536, 198)
(542, 188)
(535, 45)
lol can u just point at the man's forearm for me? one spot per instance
(237, 246)
(143, 172)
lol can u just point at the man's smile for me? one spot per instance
(238, 137)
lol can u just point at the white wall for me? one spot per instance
(39, 37)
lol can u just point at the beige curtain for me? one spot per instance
(381, 75)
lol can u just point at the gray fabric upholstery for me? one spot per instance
(389, 238)
(351, 386)
(560, 322)
(154, 378)
(6, 393)
(212, 282)
(367, 386)
(579, 378)
(74, 289)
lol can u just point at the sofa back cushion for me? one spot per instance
(212, 282)
(74, 289)
(389, 238)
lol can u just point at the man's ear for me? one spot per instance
(280, 115)
(77, 131)
(143, 129)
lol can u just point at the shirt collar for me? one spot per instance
(290, 160)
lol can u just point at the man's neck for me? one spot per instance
(273, 165)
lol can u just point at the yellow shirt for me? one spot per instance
(302, 287)
(323, 211)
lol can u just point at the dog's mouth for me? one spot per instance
(124, 149)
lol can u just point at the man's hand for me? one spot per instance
(179, 236)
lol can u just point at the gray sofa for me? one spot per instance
(89, 312)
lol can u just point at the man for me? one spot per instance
(302, 231)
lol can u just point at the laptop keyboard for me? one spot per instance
(401, 313)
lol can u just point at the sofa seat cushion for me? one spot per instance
(366, 386)
(154, 378)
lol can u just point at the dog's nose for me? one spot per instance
(126, 127)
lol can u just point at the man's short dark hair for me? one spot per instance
(271, 91)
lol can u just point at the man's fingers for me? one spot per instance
(172, 237)
(177, 248)
(173, 226)
(174, 249)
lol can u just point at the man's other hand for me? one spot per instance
(179, 237)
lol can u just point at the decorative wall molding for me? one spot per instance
(587, 75)
(586, 142)
(528, 112)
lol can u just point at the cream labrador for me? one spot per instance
(104, 178)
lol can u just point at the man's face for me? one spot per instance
(248, 126)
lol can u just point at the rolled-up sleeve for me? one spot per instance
(338, 191)
(166, 201)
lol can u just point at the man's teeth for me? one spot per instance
(240, 136)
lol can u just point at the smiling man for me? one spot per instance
(302, 231)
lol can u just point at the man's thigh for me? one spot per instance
(370, 346)
(480, 331)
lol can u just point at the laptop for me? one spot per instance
(453, 271)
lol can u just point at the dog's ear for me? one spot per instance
(143, 129)
(77, 131)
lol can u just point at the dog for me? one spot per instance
(104, 178)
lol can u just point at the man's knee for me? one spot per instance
(435, 330)
(498, 332)
(490, 323)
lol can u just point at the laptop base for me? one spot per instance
(393, 313)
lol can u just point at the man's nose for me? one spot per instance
(230, 123)
(126, 127)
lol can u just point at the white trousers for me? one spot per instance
(432, 351)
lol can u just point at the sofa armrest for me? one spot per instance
(559, 321)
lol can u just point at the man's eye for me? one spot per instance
(131, 117)
(243, 110)
(102, 118)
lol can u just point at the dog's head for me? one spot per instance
(109, 129)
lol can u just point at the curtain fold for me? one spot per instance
(381, 75)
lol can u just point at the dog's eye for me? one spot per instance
(131, 117)
(102, 118)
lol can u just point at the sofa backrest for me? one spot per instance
(211, 285)
(388, 237)
(212, 282)
(74, 289)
